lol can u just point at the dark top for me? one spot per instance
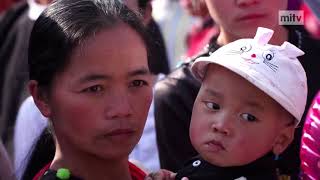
(158, 60)
(48, 174)
(198, 169)
(175, 95)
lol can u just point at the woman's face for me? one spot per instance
(240, 18)
(99, 103)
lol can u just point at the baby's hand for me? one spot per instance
(162, 174)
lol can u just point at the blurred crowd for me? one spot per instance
(181, 30)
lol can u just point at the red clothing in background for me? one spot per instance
(5, 4)
(200, 36)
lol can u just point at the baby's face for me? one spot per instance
(233, 122)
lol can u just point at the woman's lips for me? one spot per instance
(251, 17)
(119, 132)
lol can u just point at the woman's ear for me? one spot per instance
(40, 98)
(284, 138)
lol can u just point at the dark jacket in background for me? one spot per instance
(159, 60)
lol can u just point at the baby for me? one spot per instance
(252, 96)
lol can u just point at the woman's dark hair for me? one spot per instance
(66, 24)
(41, 154)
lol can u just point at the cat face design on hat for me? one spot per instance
(253, 55)
(257, 51)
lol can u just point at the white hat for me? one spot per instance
(273, 69)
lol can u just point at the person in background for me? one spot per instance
(202, 31)
(174, 23)
(175, 95)
(15, 29)
(311, 9)
(6, 4)
(6, 170)
(159, 60)
(310, 142)
(89, 75)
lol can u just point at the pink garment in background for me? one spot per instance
(311, 22)
(310, 143)
(200, 36)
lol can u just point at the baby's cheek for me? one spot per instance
(194, 134)
(241, 144)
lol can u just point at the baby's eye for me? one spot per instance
(94, 89)
(248, 117)
(212, 105)
(246, 48)
(138, 83)
(268, 55)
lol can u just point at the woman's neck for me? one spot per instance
(88, 166)
(281, 34)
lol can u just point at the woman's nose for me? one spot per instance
(119, 106)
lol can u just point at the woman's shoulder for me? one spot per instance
(46, 174)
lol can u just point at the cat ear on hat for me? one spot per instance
(291, 50)
(263, 36)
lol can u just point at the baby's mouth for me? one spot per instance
(216, 146)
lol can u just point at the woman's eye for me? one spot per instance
(212, 105)
(248, 117)
(95, 88)
(138, 83)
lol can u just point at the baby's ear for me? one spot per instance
(284, 138)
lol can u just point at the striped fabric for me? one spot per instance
(310, 143)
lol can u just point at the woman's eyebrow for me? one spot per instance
(141, 71)
(93, 77)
